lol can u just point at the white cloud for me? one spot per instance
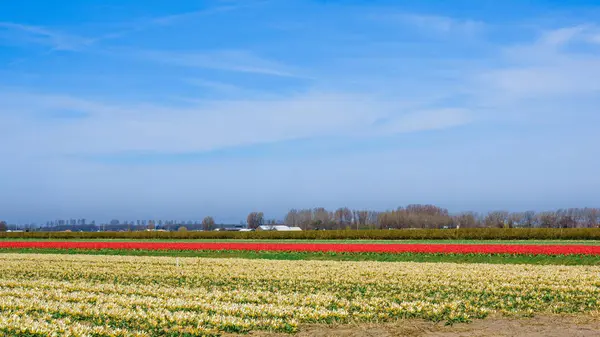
(565, 78)
(561, 36)
(584, 33)
(202, 127)
(230, 60)
(553, 41)
(383, 91)
(425, 120)
(544, 69)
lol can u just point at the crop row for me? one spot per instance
(315, 247)
(420, 234)
(85, 295)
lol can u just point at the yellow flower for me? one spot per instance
(85, 295)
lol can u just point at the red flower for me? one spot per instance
(318, 247)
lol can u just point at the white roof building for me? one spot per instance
(279, 228)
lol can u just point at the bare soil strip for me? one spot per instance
(539, 326)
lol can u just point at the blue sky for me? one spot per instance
(181, 109)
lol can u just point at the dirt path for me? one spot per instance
(541, 326)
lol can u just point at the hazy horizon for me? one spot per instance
(186, 109)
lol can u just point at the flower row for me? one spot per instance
(89, 295)
(552, 249)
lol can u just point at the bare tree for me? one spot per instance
(415, 216)
(343, 217)
(548, 219)
(321, 218)
(466, 220)
(529, 219)
(251, 220)
(256, 219)
(260, 219)
(431, 216)
(592, 217)
(361, 218)
(496, 219)
(305, 218)
(3, 226)
(151, 225)
(515, 219)
(373, 219)
(292, 219)
(565, 218)
(208, 223)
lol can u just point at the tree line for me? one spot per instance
(207, 224)
(411, 216)
(434, 217)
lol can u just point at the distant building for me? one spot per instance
(230, 229)
(278, 228)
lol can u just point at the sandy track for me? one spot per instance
(540, 326)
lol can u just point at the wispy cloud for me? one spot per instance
(387, 83)
(66, 41)
(441, 25)
(207, 126)
(175, 18)
(229, 60)
(426, 120)
(19, 33)
(142, 24)
(546, 68)
(561, 37)
(214, 85)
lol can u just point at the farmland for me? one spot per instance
(221, 287)
(85, 295)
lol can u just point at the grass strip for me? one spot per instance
(570, 260)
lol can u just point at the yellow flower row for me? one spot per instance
(85, 295)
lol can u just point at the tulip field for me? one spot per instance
(99, 295)
(99, 288)
(521, 249)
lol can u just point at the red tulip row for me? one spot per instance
(318, 247)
